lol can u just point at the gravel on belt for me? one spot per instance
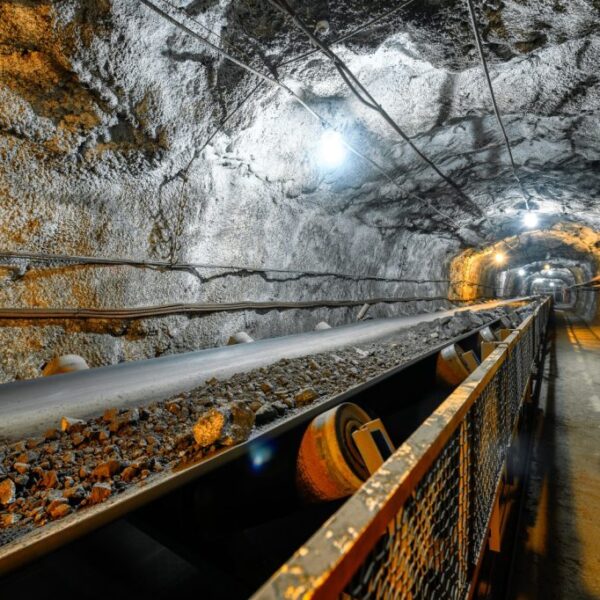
(82, 463)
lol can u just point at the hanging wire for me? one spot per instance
(273, 80)
(493, 98)
(162, 310)
(190, 267)
(233, 270)
(299, 57)
(354, 32)
(364, 96)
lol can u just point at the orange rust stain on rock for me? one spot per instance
(35, 64)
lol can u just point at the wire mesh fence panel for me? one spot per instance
(424, 552)
(431, 548)
(513, 382)
(431, 521)
(490, 430)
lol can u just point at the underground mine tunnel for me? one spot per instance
(300, 299)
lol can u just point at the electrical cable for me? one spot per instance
(191, 267)
(370, 102)
(167, 309)
(360, 91)
(300, 57)
(274, 81)
(486, 72)
(209, 30)
(266, 78)
(592, 283)
(144, 312)
(236, 61)
(352, 33)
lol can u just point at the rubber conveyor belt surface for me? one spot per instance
(28, 407)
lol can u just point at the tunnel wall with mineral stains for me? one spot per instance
(107, 116)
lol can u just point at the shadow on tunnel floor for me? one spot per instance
(549, 552)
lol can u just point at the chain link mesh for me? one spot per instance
(431, 547)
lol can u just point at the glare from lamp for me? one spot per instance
(499, 258)
(530, 220)
(332, 150)
(260, 455)
(546, 267)
(521, 272)
(552, 284)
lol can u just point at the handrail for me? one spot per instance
(324, 566)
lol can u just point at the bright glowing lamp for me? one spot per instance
(530, 220)
(546, 267)
(552, 284)
(332, 151)
(521, 272)
(499, 258)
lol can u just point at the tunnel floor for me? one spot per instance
(558, 552)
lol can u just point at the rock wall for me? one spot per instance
(111, 145)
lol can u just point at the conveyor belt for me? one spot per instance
(29, 407)
(55, 534)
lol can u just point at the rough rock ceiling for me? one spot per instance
(111, 89)
(112, 143)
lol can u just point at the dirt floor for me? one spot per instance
(559, 555)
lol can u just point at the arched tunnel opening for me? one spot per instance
(558, 261)
(300, 299)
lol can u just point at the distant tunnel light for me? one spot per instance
(499, 258)
(521, 272)
(530, 220)
(332, 151)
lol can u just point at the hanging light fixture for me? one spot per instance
(332, 151)
(530, 220)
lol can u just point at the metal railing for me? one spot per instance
(418, 527)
